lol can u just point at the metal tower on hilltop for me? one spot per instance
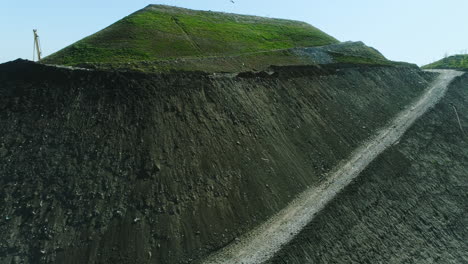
(37, 46)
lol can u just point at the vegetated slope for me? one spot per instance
(163, 38)
(409, 206)
(159, 32)
(459, 62)
(100, 167)
(345, 52)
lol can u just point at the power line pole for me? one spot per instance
(37, 46)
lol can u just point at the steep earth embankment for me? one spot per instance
(409, 206)
(262, 243)
(100, 167)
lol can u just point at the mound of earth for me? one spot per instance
(126, 167)
(162, 39)
(162, 32)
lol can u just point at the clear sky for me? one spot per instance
(418, 31)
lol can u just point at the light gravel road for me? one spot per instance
(264, 241)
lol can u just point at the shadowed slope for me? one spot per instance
(112, 167)
(408, 206)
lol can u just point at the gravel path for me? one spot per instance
(263, 242)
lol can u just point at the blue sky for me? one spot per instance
(418, 31)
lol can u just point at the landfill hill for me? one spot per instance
(127, 167)
(159, 31)
(114, 166)
(457, 62)
(162, 38)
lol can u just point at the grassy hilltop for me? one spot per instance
(163, 32)
(453, 62)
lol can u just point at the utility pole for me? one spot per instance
(37, 46)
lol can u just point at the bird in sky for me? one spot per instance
(232, 1)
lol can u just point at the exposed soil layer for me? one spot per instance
(101, 167)
(409, 206)
(262, 243)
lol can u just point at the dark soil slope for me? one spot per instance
(409, 206)
(108, 167)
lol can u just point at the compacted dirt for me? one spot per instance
(114, 167)
(262, 243)
(409, 206)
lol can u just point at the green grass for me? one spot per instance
(237, 63)
(162, 32)
(453, 62)
(256, 61)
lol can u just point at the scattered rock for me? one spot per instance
(3, 152)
